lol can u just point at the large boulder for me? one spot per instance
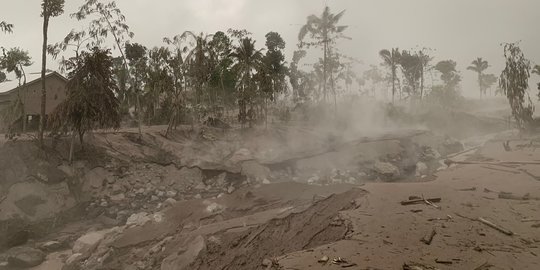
(386, 170)
(36, 201)
(24, 257)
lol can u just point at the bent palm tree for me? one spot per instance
(391, 60)
(323, 30)
(478, 66)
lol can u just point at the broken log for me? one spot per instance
(417, 201)
(495, 226)
(429, 238)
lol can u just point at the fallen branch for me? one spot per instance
(450, 162)
(495, 226)
(500, 170)
(530, 220)
(443, 261)
(417, 201)
(430, 203)
(429, 238)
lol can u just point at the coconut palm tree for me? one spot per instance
(479, 65)
(391, 60)
(324, 31)
(247, 59)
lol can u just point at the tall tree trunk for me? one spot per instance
(480, 83)
(72, 146)
(393, 83)
(324, 68)
(43, 71)
(422, 82)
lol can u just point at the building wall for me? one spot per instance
(31, 96)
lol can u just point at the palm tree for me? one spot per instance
(324, 31)
(478, 66)
(247, 60)
(6, 27)
(50, 8)
(391, 60)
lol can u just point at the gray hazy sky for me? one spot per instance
(457, 29)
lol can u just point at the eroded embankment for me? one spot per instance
(319, 224)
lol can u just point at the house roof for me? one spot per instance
(31, 78)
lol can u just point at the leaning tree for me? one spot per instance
(514, 82)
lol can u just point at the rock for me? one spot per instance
(230, 190)
(88, 242)
(266, 182)
(72, 260)
(421, 169)
(315, 179)
(138, 219)
(154, 198)
(255, 171)
(116, 189)
(157, 217)
(200, 186)
(95, 179)
(171, 193)
(266, 263)
(215, 208)
(169, 202)
(111, 180)
(24, 257)
(387, 170)
(161, 194)
(240, 155)
(103, 204)
(51, 246)
(118, 197)
(220, 180)
(181, 261)
(198, 196)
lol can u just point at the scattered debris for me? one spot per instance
(418, 266)
(429, 238)
(420, 200)
(339, 260)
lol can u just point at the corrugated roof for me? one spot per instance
(14, 83)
